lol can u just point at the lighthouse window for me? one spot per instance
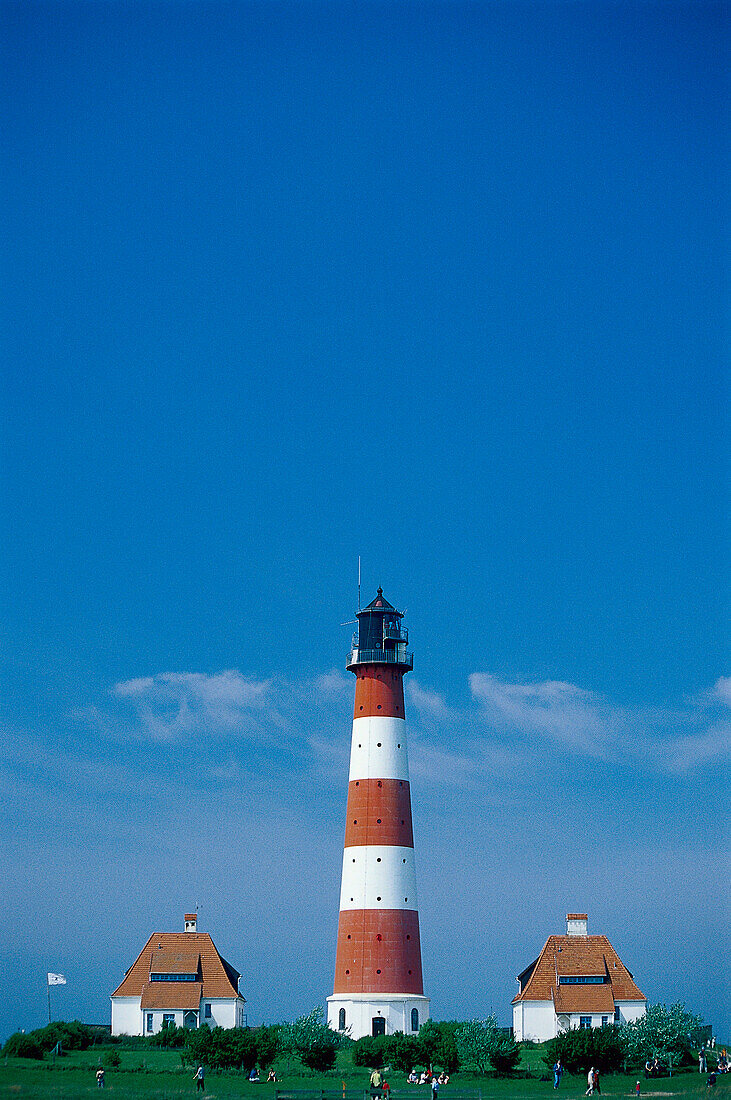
(414, 1019)
(347, 971)
(379, 937)
(379, 783)
(378, 744)
(403, 860)
(378, 899)
(341, 1020)
(379, 706)
(378, 972)
(408, 937)
(378, 860)
(350, 937)
(378, 822)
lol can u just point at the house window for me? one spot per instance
(207, 1011)
(584, 1021)
(581, 979)
(605, 1021)
(616, 1014)
(414, 1019)
(341, 1020)
(172, 977)
(168, 1019)
(148, 1025)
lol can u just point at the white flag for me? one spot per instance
(56, 979)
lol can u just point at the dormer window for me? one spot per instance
(581, 979)
(173, 977)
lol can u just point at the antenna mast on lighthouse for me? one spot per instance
(378, 981)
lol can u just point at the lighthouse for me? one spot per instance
(378, 981)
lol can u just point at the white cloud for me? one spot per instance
(722, 690)
(553, 709)
(172, 704)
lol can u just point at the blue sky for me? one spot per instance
(439, 285)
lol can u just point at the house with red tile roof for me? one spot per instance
(578, 980)
(178, 978)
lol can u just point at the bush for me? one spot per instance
(111, 1059)
(437, 1044)
(223, 1048)
(71, 1035)
(169, 1037)
(23, 1046)
(370, 1051)
(267, 1045)
(582, 1047)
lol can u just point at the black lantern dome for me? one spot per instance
(380, 638)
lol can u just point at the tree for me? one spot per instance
(481, 1043)
(665, 1032)
(314, 1043)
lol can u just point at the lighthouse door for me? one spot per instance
(378, 1025)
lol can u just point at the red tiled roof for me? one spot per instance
(584, 998)
(171, 995)
(174, 962)
(575, 955)
(219, 977)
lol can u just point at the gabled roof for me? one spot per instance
(571, 956)
(219, 979)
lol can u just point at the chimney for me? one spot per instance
(191, 919)
(577, 924)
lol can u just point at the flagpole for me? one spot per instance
(48, 990)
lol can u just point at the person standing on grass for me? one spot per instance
(637, 1090)
(100, 1077)
(590, 1082)
(702, 1060)
(376, 1082)
(597, 1090)
(557, 1071)
(200, 1079)
(434, 1087)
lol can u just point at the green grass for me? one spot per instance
(159, 1075)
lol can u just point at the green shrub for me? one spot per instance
(371, 1051)
(72, 1035)
(20, 1045)
(437, 1045)
(111, 1059)
(169, 1037)
(582, 1047)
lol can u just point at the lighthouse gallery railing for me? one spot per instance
(380, 657)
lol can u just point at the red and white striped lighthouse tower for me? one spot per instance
(378, 981)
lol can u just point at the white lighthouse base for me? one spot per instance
(365, 1011)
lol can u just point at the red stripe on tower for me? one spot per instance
(378, 981)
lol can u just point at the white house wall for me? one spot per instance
(126, 1016)
(534, 1021)
(129, 1019)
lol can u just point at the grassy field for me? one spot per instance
(159, 1075)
